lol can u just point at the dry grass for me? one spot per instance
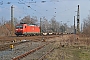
(78, 48)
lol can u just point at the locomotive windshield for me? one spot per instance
(19, 26)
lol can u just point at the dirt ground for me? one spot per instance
(71, 47)
(5, 41)
(67, 47)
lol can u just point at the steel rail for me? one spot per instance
(42, 57)
(27, 53)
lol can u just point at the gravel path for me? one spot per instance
(18, 50)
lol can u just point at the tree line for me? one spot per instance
(51, 25)
(86, 26)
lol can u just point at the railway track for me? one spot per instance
(38, 53)
(42, 57)
(6, 41)
(32, 49)
(18, 50)
(23, 47)
(23, 51)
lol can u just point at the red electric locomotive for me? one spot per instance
(27, 29)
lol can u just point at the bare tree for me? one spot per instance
(53, 24)
(45, 25)
(29, 20)
(86, 25)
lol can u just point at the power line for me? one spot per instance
(27, 4)
(24, 2)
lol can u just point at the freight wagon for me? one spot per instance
(27, 29)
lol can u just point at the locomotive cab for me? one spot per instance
(27, 29)
(19, 29)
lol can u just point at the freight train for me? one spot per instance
(24, 29)
(27, 29)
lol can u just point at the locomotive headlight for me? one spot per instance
(16, 29)
(21, 29)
